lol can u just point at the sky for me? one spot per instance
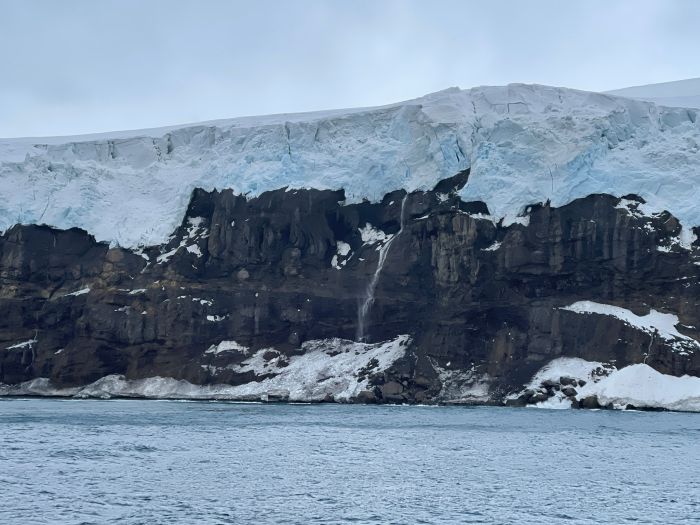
(83, 66)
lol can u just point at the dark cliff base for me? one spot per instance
(275, 271)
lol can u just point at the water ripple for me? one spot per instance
(134, 462)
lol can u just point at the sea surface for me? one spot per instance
(152, 462)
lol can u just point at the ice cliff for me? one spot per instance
(524, 144)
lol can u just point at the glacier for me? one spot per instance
(524, 144)
(685, 93)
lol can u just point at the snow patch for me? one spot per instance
(637, 209)
(79, 292)
(328, 367)
(654, 323)
(342, 256)
(686, 238)
(193, 248)
(371, 235)
(569, 367)
(165, 257)
(343, 248)
(194, 231)
(227, 346)
(638, 385)
(25, 344)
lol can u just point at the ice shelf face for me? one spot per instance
(525, 144)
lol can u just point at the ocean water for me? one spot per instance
(151, 462)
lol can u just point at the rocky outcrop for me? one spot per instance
(247, 287)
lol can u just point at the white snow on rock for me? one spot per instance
(462, 386)
(495, 246)
(342, 256)
(343, 248)
(658, 323)
(22, 345)
(41, 386)
(79, 292)
(371, 235)
(328, 367)
(227, 346)
(569, 367)
(194, 249)
(638, 385)
(195, 231)
(640, 210)
(524, 144)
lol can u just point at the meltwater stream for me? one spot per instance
(366, 305)
(135, 462)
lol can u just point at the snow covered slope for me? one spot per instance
(681, 93)
(524, 144)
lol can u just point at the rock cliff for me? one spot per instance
(296, 294)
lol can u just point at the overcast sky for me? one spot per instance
(79, 66)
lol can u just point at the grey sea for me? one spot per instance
(151, 462)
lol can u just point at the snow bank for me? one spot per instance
(328, 367)
(568, 367)
(643, 387)
(638, 385)
(37, 387)
(524, 144)
(654, 323)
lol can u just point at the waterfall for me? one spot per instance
(366, 305)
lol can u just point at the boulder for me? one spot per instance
(539, 397)
(569, 391)
(391, 389)
(366, 396)
(589, 402)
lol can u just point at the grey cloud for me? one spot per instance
(79, 66)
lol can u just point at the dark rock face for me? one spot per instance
(478, 299)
